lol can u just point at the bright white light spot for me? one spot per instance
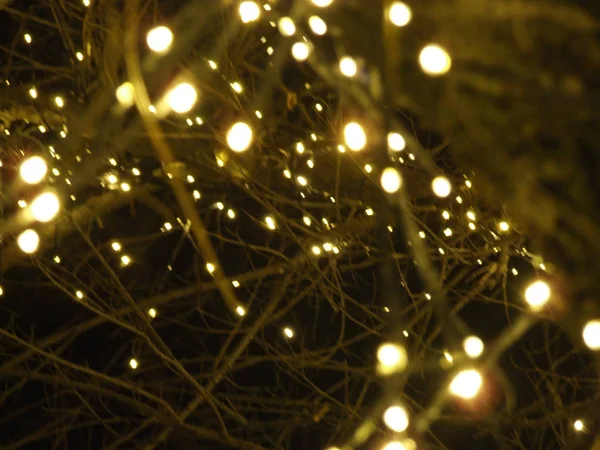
(168, 226)
(317, 25)
(125, 187)
(286, 26)
(316, 250)
(396, 142)
(591, 334)
(59, 101)
(116, 246)
(288, 332)
(152, 312)
(391, 358)
(86, 3)
(300, 147)
(210, 267)
(354, 136)
(473, 346)
(434, 60)
(399, 14)
(396, 418)
(391, 180)
(471, 215)
(45, 207)
(466, 384)
(231, 213)
(322, 3)
(182, 98)
(448, 232)
(27, 38)
(369, 212)
(159, 39)
(239, 137)
(237, 87)
(235, 283)
(79, 295)
(28, 241)
(125, 260)
(300, 51)
(503, 226)
(537, 294)
(348, 66)
(302, 181)
(79, 56)
(133, 363)
(270, 223)
(241, 311)
(441, 186)
(368, 168)
(33, 93)
(578, 425)
(307, 221)
(33, 170)
(249, 11)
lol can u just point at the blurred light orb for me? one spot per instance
(396, 418)
(125, 94)
(441, 186)
(249, 11)
(537, 295)
(28, 241)
(434, 60)
(466, 384)
(239, 137)
(396, 142)
(354, 136)
(348, 66)
(391, 358)
(405, 444)
(300, 51)
(322, 3)
(317, 25)
(473, 346)
(286, 26)
(503, 226)
(159, 39)
(591, 334)
(182, 98)
(578, 425)
(399, 14)
(45, 207)
(391, 180)
(133, 363)
(33, 170)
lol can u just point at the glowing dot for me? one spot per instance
(307, 221)
(503, 226)
(405, 444)
(391, 180)
(59, 101)
(302, 181)
(116, 246)
(152, 312)
(317, 25)
(28, 241)
(434, 60)
(237, 87)
(322, 3)
(33, 93)
(286, 26)
(391, 358)
(152, 109)
(355, 136)
(441, 186)
(57, 259)
(125, 187)
(240, 310)
(249, 11)
(45, 207)
(33, 170)
(112, 179)
(239, 137)
(210, 267)
(182, 98)
(396, 142)
(578, 425)
(348, 66)
(300, 51)
(79, 295)
(231, 213)
(466, 384)
(300, 147)
(125, 260)
(196, 194)
(288, 332)
(133, 363)
(86, 3)
(537, 294)
(396, 418)
(473, 346)
(168, 226)
(472, 226)
(27, 38)
(368, 168)
(270, 223)
(79, 56)
(471, 215)
(235, 283)
(159, 39)
(591, 334)
(316, 250)
(369, 212)
(399, 14)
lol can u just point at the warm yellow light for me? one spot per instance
(286, 26)
(399, 14)
(396, 418)
(300, 51)
(441, 186)
(391, 180)
(249, 11)
(391, 358)
(578, 425)
(125, 187)
(405, 444)
(182, 98)
(231, 213)
(348, 66)
(116, 246)
(86, 3)
(210, 267)
(239, 137)
(473, 346)
(270, 223)
(237, 87)
(471, 215)
(125, 94)
(537, 294)
(45, 207)
(322, 3)
(33, 170)
(79, 56)
(133, 363)
(59, 101)
(288, 332)
(448, 232)
(466, 384)
(241, 311)
(235, 283)
(316, 250)
(27, 38)
(159, 39)
(33, 93)
(396, 142)
(503, 226)
(300, 147)
(354, 136)
(28, 241)
(125, 260)
(434, 60)
(317, 25)
(152, 312)
(79, 295)
(591, 334)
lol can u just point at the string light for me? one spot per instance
(322, 3)
(391, 358)
(241, 311)
(235, 283)
(396, 418)
(133, 363)
(152, 312)
(503, 226)
(33, 170)
(391, 180)
(270, 223)
(300, 51)
(28, 241)
(125, 260)
(406, 444)
(125, 94)
(537, 294)
(182, 98)
(441, 186)
(434, 60)
(578, 425)
(396, 142)
(33, 93)
(79, 295)
(317, 25)
(237, 87)
(59, 101)
(473, 346)
(116, 246)
(348, 66)
(239, 137)
(466, 384)
(399, 14)
(289, 333)
(591, 334)
(45, 207)
(355, 136)
(159, 39)
(249, 11)
(286, 26)
(27, 38)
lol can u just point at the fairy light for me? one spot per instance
(503, 226)
(448, 357)
(125, 187)
(578, 425)
(322, 3)
(348, 66)
(210, 267)
(125, 260)
(270, 222)
(286, 26)
(307, 221)
(391, 181)
(316, 250)
(190, 178)
(79, 56)
(591, 334)
(369, 212)
(116, 246)
(441, 186)
(396, 142)
(86, 3)
(249, 11)
(231, 213)
(27, 38)
(368, 168)
(471, 215)
(317, 25)
(239, 137)
(434, 60)
(473, 346)
(446, 215)
(466, 384)
(399, 14)
(235, 283)
(182, 98)
(196, 194)
(472, 226)
(422, 234)
(59, 101)
(289, 333)
(391, 358)
(300, 51)
(537, 295)
(33, 93)
(152, 312)
(300, 147)
(28, 241)
(159, 39)
(405, 444)
(57, 259)
(45, 207)
(212, 65)
(240, 311)
(302, 181)
(33, 170)
(396, 418)
(168, 226)
(287, 173)
(354, 136)
(79, 295)
(237, 87)
(448, 232)
(133, 363)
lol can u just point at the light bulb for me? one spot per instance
(286, 26)
(125, 94)
(391, 358)
(270, 223)
(288, 332)
(33, 170)
(240, 310)
(537, 294)
(391, 180)
(354, 136)
(133, 363)
(441, 186)
(45, 207)
(28, 241)
(300, 51)
(578, 425)
(249, 11)
(152, 312)
(159, 39)
(182, 98)
(396, 418)
(322, 3)
(503, 226)
(399, 14)
(116, 246)
(348, 66)
(434, 60)
(396, 142)
(473, 346)
(239, 137)
(59, 101)
(466, 384)
(591, 334)
(317, 25)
